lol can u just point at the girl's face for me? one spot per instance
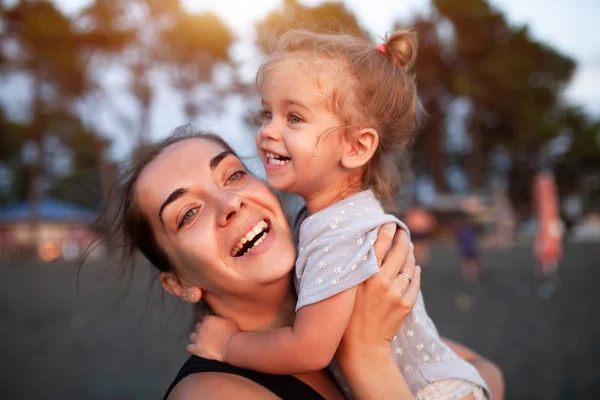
(222, 228)
(300, 139)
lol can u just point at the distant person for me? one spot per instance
(503, 217)
(572, 210)
(421, 223)
(548, 243)
(466, 237)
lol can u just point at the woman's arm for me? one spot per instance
(382, 303)
(490, 372)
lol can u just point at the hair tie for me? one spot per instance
(380, 48)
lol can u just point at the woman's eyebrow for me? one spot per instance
(214, 162)
(172, 197)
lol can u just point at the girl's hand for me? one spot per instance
(211, 338)
(385, 299)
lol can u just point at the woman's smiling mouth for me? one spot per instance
(254, 237)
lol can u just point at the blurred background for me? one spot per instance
(504, 202)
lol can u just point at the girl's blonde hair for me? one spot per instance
(373, 90)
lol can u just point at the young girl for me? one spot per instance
(338, 117)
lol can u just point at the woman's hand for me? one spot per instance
(384, 300)
(382, 303)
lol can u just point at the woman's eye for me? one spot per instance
(188, 216)
(234, 177)
(294, 119)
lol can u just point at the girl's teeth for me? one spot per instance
(273, 161)
(244, 240)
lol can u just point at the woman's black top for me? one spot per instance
(284, 386)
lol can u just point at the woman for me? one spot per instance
(187, 203)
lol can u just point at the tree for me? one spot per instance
(433, 77)
(513, 82)
(158, 38)
(12, 141)
(57, 73)
(328, 17)
(84, 183)
(191, 47)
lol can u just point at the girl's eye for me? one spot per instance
(265, 116)
(235, 177)
(294, 119)
(188, 216)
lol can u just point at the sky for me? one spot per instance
(571, 27)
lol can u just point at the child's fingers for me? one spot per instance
(385, 236)
(191, 348)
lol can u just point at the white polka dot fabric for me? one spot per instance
(335, 253)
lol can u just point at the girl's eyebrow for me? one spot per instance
(288, 102)
(295, 103)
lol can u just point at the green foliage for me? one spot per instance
(191, 47)
(513, 83)
(326, 17)
(148, 36)
(61, 54)
(36, 27)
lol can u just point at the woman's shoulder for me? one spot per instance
(213, 379)
(218, 385)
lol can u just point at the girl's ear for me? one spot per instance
(186, 292)
(359, 148)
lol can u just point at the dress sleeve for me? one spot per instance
(333, 263)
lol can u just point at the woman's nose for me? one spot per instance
(231, 204)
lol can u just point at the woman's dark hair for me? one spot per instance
(128, 225)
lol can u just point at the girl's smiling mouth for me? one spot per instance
(276, 159)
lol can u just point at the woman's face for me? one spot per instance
(222, 228)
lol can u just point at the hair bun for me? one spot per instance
(403, 47)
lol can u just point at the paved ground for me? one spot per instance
(110, 341)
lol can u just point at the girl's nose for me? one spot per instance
(270, 131)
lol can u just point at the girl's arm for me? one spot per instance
(307, 346)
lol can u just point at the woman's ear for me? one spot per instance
(186, 292)
(360, 148)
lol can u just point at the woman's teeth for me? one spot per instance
(253, 238)
(275, 159)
